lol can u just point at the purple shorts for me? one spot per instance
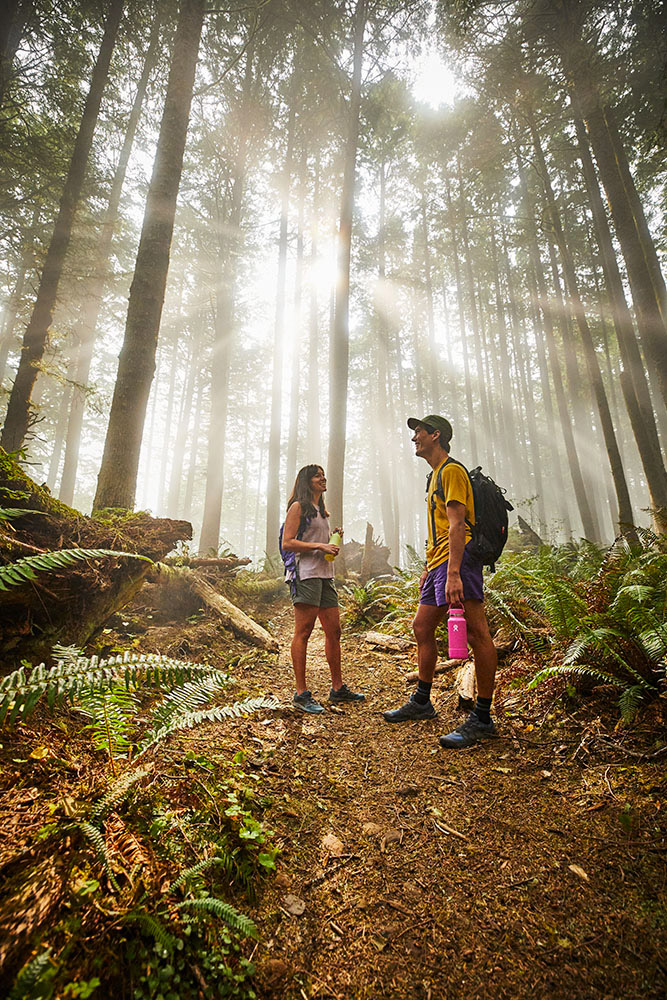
(433, 591)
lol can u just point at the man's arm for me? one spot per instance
(456, 515)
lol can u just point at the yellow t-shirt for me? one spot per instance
(456, 487)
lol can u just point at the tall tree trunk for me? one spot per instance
(297, 356)
(480, 386)
(380, 418)
(583, 504)
(633, 379)
(178, 456)
(273, 486)
(166, 448)
(340, 334)
(651, 321)
(313, 432)
(86, 329)
(625, 515)
(117, 480)
(472, 433)
(61, 424)
(36, 335)
(186, 509)
(14, 18)
(428, 287)
(229, 231)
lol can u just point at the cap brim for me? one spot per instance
(413, 423)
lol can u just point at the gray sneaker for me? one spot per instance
(306, 703)
(470, 732)
(411, 710)
(343, 694)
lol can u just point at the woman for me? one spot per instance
(306, 533)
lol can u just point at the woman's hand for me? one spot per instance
(329, 550)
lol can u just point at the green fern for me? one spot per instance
(217, 714)
(112, 711)
(72, 676)
(225, 911)
(97, 840)
(22, 571)
(14, 513)
(31, 976)
(195, 871)
(190, 696)
(151, 925)
(630, 701)
(560, 670)
(117, 793)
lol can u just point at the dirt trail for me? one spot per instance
(502, 871)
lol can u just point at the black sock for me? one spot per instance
(483, 709)
(423, 693)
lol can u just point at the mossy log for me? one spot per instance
(69, 606)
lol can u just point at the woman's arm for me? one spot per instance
(293, 544)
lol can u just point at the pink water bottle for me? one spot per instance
(457, 634)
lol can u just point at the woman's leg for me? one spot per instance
(305, 616)
(330, 619)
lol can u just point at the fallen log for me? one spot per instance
(232, 617)
(441, 668)
(390, 643)
(69, 605)
(223, 564)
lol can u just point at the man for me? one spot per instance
(451, 576)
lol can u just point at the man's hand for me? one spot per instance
(454, 587)
(422, 579)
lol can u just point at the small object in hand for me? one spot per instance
(334, 540)
(457, 634)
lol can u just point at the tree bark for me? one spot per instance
(625, 515)
(117, 480)
(297, 355)
(340, 334)
(273, 485)
(18, 415)
(632, 378)
(86, 329)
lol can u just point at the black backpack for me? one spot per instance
(489, 532)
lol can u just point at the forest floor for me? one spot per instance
(531, 866)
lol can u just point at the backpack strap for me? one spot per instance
(439, 491)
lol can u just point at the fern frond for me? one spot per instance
(30, 975)
(111, 711)
(14, 513)
(22, 690)
(217, 714)
(561, 670)
(196, 871)
(97, 840)
(630, 701)
(154, 927)
(190, 696)
(22, 571)
(117, 793)
(225, 911)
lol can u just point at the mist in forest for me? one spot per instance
(240, 240)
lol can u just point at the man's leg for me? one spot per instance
(484, 650)
(305, 616)
(330, 621)
(419, 706)
(425, 623)
(478, 725)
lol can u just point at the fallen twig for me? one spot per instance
(443, 828)
(329, 871)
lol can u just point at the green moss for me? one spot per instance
(17, 486)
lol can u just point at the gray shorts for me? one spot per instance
(319, 592)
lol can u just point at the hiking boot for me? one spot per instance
(411, 710)
(470, 732)
(306, 703)
(344, 694)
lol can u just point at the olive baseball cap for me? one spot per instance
(434, 423)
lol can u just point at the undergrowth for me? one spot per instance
(159, 860)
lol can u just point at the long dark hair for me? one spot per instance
(303, 493)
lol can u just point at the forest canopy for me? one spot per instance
(297, 225)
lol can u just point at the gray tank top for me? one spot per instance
(313, 565)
